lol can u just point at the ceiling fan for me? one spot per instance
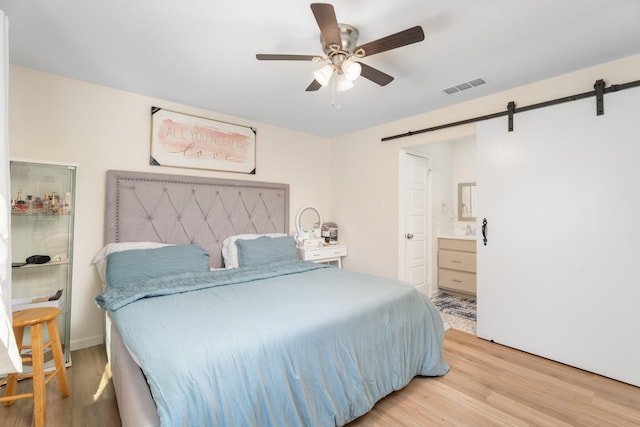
(339, 43)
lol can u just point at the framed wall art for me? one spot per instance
(182, 140)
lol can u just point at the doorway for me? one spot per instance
(450, 162)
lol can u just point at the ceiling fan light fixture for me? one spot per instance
(351, 69)
(343, 83)
(340, 45)
(323, 75)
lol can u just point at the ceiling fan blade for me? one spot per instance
(313, 86)
(326, 18)
(375, 75)
(403, 38)
(275, 57)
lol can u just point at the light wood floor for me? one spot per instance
(488, 385)
(79, 409)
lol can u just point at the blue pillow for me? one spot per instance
(126, 267)
(265, 250)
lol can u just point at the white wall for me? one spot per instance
(452, 162)
(464, 170)
(364, 170)
(58, 119)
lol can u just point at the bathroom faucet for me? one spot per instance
(469, 231)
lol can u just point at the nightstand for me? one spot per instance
(324, 254)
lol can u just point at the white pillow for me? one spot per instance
(100, 260)
(230, 250)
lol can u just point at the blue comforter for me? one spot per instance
(291, 344)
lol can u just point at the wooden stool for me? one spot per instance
(35, 318)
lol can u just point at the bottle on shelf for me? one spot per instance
(38, 205)
(20, 206)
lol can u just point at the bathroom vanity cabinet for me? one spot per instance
(457, 265)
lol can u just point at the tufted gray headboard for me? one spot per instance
(151, 207)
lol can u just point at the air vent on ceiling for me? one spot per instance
(463, 86)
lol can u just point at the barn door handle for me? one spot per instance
(409, 236)
(484, 231)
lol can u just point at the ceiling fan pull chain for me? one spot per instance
(333, 91)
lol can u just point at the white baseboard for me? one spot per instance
(86, 342)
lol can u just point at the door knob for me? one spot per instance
(409, 236)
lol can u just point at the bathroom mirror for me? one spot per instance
(308, 218)
(467, 201)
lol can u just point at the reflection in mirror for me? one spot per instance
(308, 220)
(467, 201)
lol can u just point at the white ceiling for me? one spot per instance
(202, 52)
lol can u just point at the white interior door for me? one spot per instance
(558, 276)
(417, 232)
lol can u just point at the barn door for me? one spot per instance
(558, 276)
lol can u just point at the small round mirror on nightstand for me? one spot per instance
(308, 219)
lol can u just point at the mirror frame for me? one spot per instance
(299, 215)
(472, 208)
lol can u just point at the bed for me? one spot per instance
(277, 341)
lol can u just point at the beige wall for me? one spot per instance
(58, 119)
(364, 170)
